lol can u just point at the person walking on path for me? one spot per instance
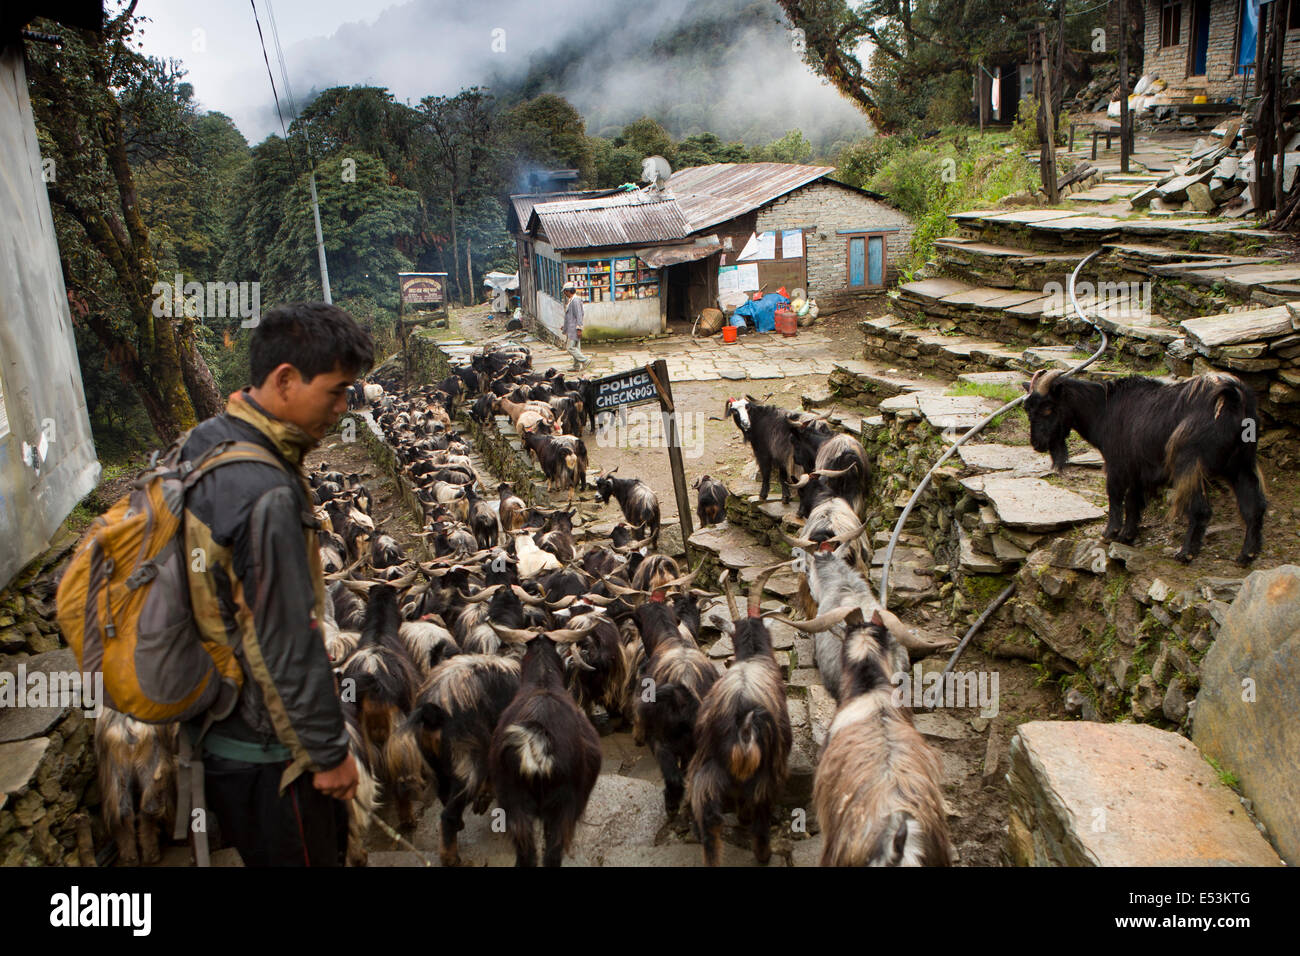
(573, 325)
(277, 770)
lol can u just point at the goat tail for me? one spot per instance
(401, 755)
(747, 750)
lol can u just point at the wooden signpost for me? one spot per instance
(638, 387)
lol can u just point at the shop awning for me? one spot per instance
(657, 257)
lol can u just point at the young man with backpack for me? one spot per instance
(277, 767)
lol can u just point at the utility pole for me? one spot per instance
(1124, 144)
(320, 241)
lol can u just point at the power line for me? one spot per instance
(311, 163)
(271, 76)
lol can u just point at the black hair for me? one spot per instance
(313, 337)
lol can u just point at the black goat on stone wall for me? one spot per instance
(1151, 434)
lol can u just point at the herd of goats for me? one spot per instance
(482, 669)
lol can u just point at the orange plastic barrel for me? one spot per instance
(728, 333)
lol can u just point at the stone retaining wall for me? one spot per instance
(48, 796)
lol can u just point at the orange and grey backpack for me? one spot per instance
(124, 601)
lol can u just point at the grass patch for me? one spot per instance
(1226, 777)
(955, 171)
(1000, 393)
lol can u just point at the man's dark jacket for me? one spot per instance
(262, 591)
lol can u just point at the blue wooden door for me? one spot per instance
(857, 261)
(875, 260)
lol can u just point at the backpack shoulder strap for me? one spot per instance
(225, 453)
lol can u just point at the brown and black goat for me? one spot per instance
(711, 507)
(545, 755)
(381, 677)
(878, 787)
(639, 505)
(1151, 433)
(137, 783)
(673, 679)
(742, 737)
(455, 714)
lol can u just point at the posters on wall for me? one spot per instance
(761, 246)
(791, 243)
(741, 278)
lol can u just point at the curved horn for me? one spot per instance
(1045, 382)
(577, 660)
(512, 635)
(849, 535)
(756, 589)
(804, 479)
(804, 543)
(340, 575)
(532, 600)
(731, 598)
(562, 603)
(481, 596)
(823, 622)
(835, 473)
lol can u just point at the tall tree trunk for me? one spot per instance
(204, 394)
(455, 253)
(469, 270)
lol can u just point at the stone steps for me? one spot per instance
(1056, 229)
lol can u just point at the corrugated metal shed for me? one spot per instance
(712, 194)
(623, 219)
(695, 199)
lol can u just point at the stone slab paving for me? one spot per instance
(758, 356)
(1031, 503)
(958, 413)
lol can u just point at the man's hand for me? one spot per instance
(340, 783)
(577, 332)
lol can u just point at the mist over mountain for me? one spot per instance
(726, 66)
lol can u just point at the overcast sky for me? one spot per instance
(418, 47)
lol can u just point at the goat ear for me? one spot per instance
(876, 619)
(1025, 386)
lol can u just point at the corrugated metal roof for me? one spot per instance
(617, 220)
(712, 194)
(522, 204)
(656, 257)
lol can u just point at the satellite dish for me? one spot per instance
(655, 171)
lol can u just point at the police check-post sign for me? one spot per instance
(626, 388)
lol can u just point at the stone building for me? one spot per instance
(643, 259)
(1208, 47)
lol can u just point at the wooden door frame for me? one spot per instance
(866, 260)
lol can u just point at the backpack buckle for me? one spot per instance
(185, 468)
(142, 575)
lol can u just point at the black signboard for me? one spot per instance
(626, 388)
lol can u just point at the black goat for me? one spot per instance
(638, 502)
(712, 500)
(770, 434)
(457, 710)
(743, 737)
(672, 681)
(545, 754)
(1149, 434)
